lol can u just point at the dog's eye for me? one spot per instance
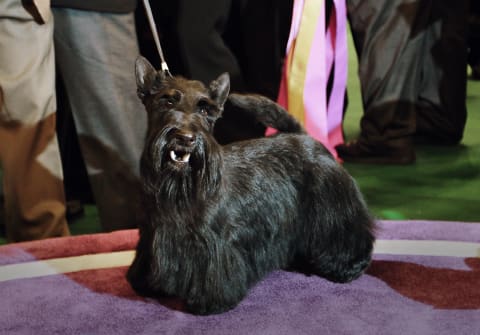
(170, 98)
(167, 101)
(203, 111)
(204, 108)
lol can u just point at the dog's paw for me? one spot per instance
(348, 273)
(336, 269)
(203, 306)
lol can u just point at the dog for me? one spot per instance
(219, 218)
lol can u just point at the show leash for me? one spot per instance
(153, 27)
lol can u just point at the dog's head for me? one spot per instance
(181, 117)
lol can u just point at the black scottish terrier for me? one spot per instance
(219, 218)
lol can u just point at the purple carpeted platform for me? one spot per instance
(400, 294)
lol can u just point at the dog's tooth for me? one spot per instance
(186, 158)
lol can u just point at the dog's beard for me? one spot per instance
(177, 176)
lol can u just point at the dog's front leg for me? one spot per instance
(223, 286)
(138, 271)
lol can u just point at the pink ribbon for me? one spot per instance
(322, 113)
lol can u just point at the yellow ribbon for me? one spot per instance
(298, 55)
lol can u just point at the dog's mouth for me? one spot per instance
(180, 156)
(179, 149)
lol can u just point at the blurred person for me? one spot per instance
(96, 47)
(412, 59)
(29, 153)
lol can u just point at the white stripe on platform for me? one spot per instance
(65, 265)
(428, 248)
(125, 258)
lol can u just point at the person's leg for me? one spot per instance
(473, 39)
(200, 33)
(264, 27)
(96, 54)
(388, 53)
(29, 153)
(441, 109)
(200, 27)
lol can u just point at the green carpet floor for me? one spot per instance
(444, 183)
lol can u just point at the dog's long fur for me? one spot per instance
(219, 218)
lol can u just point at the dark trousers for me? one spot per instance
(412, 58)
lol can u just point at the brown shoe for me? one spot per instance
(359, 151)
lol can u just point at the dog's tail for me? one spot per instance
(266, 112)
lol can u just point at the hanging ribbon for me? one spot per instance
(313, 51)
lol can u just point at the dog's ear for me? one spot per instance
(146, 75)
(220, 88)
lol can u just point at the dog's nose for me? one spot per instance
(185, 137)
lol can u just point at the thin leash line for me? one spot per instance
(153, 27)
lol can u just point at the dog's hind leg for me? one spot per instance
(266, 112)
(338, 228)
